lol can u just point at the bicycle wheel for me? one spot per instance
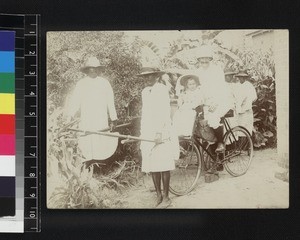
(187, 169)
(239, 151)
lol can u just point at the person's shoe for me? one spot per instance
(158, 201)
(221, 147)
(220, 168)
(211, 177)
(166, 202)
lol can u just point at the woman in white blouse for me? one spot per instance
(216, 92)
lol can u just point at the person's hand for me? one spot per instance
(113, 125)
(157, 138)
(212, 108)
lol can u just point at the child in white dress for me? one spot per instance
(188, 100)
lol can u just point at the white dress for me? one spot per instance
(233, 122)
(95, 100)
(246, 95)
(184, 117)
(156, 119)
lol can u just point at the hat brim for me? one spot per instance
(211, 58)
(230, 73)
(242, 75)
(85, 69)
(149, 73)
(183, 79)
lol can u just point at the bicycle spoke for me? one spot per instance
(187, 171)
(238, 160)
(245, 142)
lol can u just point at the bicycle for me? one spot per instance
(197, 156)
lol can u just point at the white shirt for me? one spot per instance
(246, 95)
(214, 86)
(94, 97)
(155, 111)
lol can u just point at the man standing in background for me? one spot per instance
(93, 97)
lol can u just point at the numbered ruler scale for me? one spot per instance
(31, 173)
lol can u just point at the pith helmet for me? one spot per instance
(205, 52)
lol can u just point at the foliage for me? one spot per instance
(261, 68)
(80, 188)
(67, 52)
(65, 55)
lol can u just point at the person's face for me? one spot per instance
(242, 79)
(228, 78)
(150, 79)
(92, 72)
(235, 79)
(191, 85)
(204, 62)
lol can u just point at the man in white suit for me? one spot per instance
(93, 96)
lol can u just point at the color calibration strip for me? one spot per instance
(7, 124)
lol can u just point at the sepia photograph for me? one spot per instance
(189, 119)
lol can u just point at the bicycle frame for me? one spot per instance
(199, 142)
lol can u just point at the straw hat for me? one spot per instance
(149, 70)
(229, 73)
(183, 79)
(92, 62)
(242, 74)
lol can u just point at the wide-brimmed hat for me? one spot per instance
(242, 73)
(183, 79)
(149, 70)
(230, 73)
(92, 62)
(205, 51)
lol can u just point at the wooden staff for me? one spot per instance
(109, 134)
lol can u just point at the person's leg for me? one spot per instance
(156, 177)
(219, 135)
(213, 120)
(166, 183)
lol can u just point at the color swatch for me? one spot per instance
(7, 124)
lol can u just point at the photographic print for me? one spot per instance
(168, 119)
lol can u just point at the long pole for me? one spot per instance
(109, 134)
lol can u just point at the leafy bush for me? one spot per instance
(65, 55)
(261, 68)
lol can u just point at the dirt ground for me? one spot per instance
(258, 188)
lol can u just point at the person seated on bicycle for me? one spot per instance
(217, 101)
(188, 100)
(214, 88)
